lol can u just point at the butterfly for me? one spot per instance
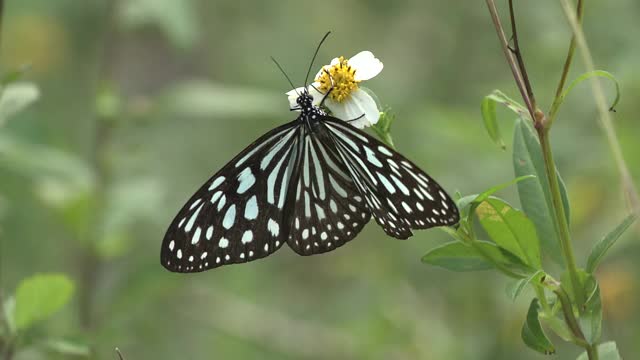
(312, 183)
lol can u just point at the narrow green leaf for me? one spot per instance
(501, 98)
(476, 199)
(588, 75)
(532, 333)
(535, 195)
(489, 118)
(485, 195)
(510, 229)
(606, 351)
(591, 317)
(516, 288)
(602, 246)
(488, 110)
(587, 287)
(39, 296)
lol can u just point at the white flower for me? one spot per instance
(347, 101)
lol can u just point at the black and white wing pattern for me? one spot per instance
(313, 183)
(327, 209)
(399, 195)
(237, 215)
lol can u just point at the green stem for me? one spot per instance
(561, 224)
(565, 71)
(570, 317)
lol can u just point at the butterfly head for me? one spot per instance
(305, 100)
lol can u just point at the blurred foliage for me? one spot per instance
(113, 112)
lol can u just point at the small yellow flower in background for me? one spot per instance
(347, 100)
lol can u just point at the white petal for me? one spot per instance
(317, 95)
(292, 95)
(366, 65)
(360, 103)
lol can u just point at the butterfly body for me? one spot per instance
(312, 183)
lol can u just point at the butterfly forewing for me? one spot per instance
(328, 209)
(236, 216)
(400, 195)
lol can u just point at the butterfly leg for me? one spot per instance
(330, 89)
(358, 118)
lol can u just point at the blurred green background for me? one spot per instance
(142, 100)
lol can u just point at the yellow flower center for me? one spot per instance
(344, 82)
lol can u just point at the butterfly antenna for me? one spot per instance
(314, 58)
(285, 75)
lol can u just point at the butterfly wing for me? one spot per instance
(237, 215)
(327, 209)
(400, 195)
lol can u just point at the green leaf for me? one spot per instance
(489, 118)
(66, 347)
(14, 75)
(39, 296)
(532, 333)
(15, 97)
(606, 351)
(476, 199)
(485, 195)
(602, 246)
(511, 230)
(457, 256)
(488, 109)
(587, 287)
(177, 19)
(535, 195)
(9, 313)
(501, 98)
(475, 256)
(591, 317)
(588, 75)
(514, 290)
(383, 127)
(558, 326)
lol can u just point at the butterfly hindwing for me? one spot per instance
(400, 195)
(237, 215)
(327, 209)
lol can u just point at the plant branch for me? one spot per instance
(557, 101)
(518, 53)
(562, 227)
(1, 20)
(605, 116)
(522, 87)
